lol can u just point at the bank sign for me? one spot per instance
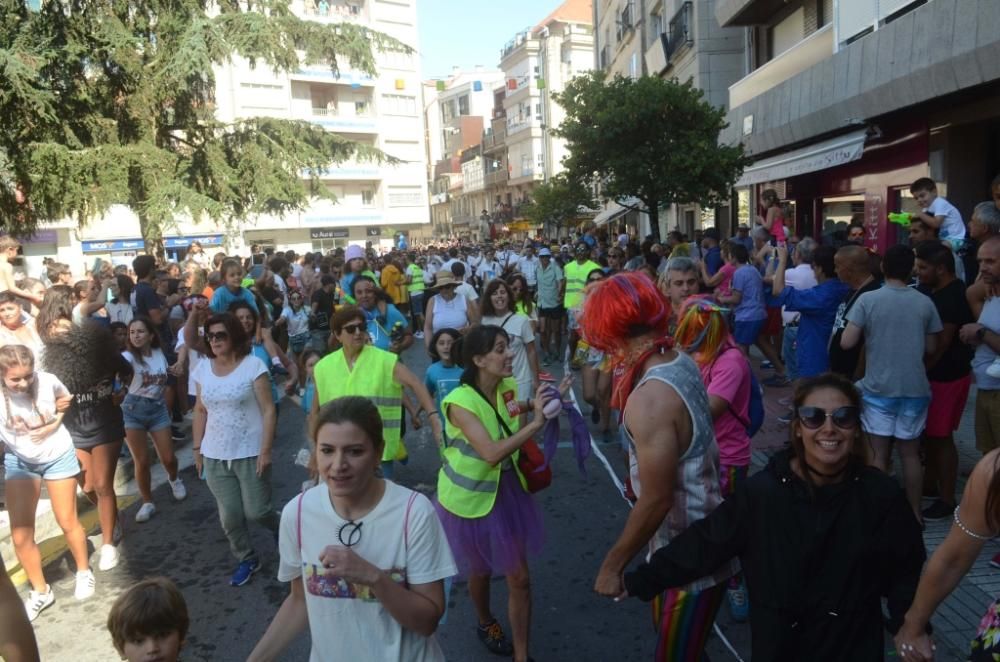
(138, 244)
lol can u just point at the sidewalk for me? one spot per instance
(957, 619)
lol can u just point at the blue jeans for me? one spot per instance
(790, 352)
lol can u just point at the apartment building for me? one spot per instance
(457, 108)
(519, 148)
(846, 103)
(373, 202)
(679, 39)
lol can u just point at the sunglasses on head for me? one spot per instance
(217, 335)
(354, 328)
(813, 418)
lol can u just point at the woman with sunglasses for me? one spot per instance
(359, 368)
(821, 536)
(233, 432)
(366, 557)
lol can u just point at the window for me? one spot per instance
(787, 33)
(463, 105)
(362, 108)
(538, 112)
(405, 196)
(655, 26)
(367, 197)
(399, 104)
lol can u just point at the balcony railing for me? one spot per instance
(807, 53)
(337, 112)
(335, 11)
(519, 39)
(679, 34)
(496, 177)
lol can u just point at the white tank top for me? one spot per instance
(449, 314)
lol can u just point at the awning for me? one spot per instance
(818, 156)
(614, 210)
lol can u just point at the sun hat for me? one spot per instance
(354, 252)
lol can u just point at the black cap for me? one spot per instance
(712, 233)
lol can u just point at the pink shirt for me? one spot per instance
(726, 285)
(728, 377)
(777, 228)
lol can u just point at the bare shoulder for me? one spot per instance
(654, 404)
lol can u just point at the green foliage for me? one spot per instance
(556, 203)
(113, 102)
(648, 138)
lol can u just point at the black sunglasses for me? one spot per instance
(845, 418)
(354, 328)
(218, 335)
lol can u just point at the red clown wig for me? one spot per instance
(624, 306)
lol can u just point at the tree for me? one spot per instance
(113, 102)
(556, 203)
(649, 138)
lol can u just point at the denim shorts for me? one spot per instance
(64, 466)
(902, 418)
(745, 333)
(145, 413)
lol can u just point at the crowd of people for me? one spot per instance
(881, 350)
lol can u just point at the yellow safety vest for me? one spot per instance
(371, 378)
(576, 280)
(416, 278)
(467, 484)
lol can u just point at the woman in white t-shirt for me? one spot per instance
(39, 448)
(366, 558)
(91, 297)
(234, 420)
(145, 411)
(496, 306)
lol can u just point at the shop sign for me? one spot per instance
(373, 231)
(139, 244)
(329, 233)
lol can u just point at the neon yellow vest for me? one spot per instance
(576, 280)
(416, 278)
(467, 484)
(371, 378)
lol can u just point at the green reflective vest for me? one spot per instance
(467, 484)
(371, 378)
(416, 275)
(576, 280)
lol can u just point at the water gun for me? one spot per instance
(902, 218)
(397, 332)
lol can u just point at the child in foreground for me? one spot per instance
(150, 620)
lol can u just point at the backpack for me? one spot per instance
(755, 407)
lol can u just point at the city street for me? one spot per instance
(184, 541)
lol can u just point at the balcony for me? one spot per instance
(332, 12)
(672, 43)
(496, 177)
(344, 121)
(807, 53)
(350, 170)
(519, 40)
(494, 139)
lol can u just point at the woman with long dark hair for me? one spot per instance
(821, 536)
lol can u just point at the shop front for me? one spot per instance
(123, 251)
(853, 179)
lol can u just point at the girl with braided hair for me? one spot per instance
(39, 448)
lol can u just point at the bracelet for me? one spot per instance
(434, 413)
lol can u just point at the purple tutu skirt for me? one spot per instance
(500, 541)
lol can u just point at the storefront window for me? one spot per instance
(839, 213)
(325, 245)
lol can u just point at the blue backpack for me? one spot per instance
(755, 409)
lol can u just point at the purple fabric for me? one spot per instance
(499, 542)
(579, 434)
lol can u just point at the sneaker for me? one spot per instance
(85, 585)
(766, 365)
(995, 561)
(938, 510)
(739, 605)
(177, 487)
(109, 558)
(993, 370)
(776, 380)
(244, 572)
(785, 402)
(492, 636)
(36, 602)
(546, 360)
(419, 335)
(177, 434)
(145, 512)
(787, 417)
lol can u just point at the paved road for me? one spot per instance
(583, 516)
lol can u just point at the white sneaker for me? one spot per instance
(36, 602)
(994, 369)
(85, 584)
(145, 512)
(177, 487)
(419, 335)
(109, 558)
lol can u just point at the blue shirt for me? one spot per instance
(713, 260)
(441, 380)
(748, 281)
(818, 307)
(260, 352)
(223, 298)
(380, 328)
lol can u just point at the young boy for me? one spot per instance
(232, 288)
(149, 620)
(938, 212)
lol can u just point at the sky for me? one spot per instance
(465, 33)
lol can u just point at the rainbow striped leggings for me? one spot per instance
(683, 620)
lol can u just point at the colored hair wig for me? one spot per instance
(623, 306)
(702, 330)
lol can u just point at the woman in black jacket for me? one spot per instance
(821, 538)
